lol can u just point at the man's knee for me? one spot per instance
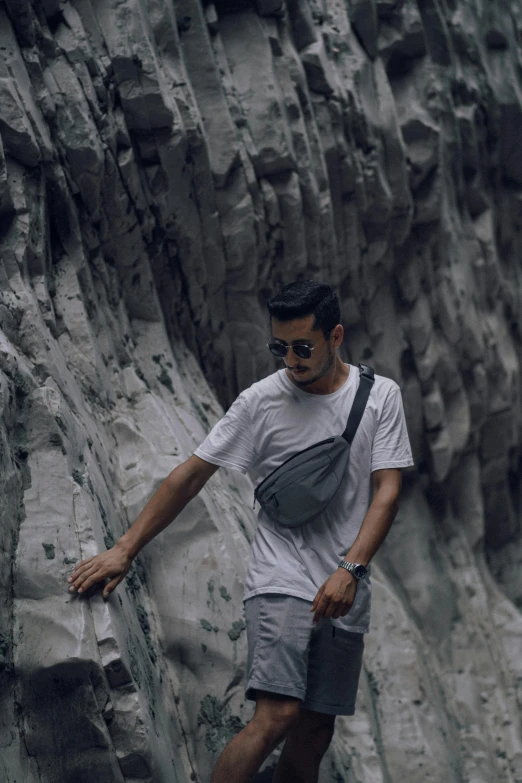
(275, 716)
(314, 731)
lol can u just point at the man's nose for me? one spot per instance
(291, 357)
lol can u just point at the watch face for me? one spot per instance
(359, 571)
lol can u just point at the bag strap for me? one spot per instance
(366, 381)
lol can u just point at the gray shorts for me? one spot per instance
(287, 654)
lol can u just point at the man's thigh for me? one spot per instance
(279, 628)
(290, 656)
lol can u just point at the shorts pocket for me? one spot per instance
(351, 638)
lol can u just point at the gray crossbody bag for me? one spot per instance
(299, 489)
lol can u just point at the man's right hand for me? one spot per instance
(171, 497)
(112, 564)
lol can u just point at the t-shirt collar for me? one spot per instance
(348, 382)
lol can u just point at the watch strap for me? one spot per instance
(351, 567)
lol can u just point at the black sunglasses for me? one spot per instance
(301, 351)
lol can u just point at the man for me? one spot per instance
(306, 614)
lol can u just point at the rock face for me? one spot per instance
(164, 166)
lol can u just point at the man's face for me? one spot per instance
(301, 332)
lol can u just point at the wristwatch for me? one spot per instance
(356, 569)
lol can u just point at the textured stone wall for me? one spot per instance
(164, 166)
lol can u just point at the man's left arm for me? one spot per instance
(336, 596)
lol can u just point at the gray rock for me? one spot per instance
(401, 35)
(15, 127)
(387, 8)
(249, 54)
(318, 71)
(303, 28)
(433, 407)
(441, 454)
(436, 32)
(269, 7)
(363, 16)
(6, 203)
(497, 435)
(221, 133)
(420, 325)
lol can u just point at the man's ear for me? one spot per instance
(338, 333)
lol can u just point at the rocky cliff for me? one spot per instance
(164, 166)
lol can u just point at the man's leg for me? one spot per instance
(306, 743)
(242, 757)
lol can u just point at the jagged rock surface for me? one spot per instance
(163, 168)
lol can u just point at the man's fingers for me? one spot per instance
(334, 602)
(80, 579)
(317, 598)
(90, 580)
(109, 587)
(328, 605)
(342, 611)
(99, 576)
(321, 608)
(79, 569)
(112, 564)
(334, 598)
(345, 604)
(332, 608)
(95, 573)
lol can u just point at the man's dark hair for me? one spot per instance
(306, 297)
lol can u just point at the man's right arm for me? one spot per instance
(168, 501)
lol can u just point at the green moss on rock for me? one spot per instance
(225, 594)
(238, 626)
(220, 725)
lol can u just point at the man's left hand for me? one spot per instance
(336, 596)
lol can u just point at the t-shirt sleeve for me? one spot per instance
(230, 443)
(391, 444)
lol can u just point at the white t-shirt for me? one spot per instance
(274, 419)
